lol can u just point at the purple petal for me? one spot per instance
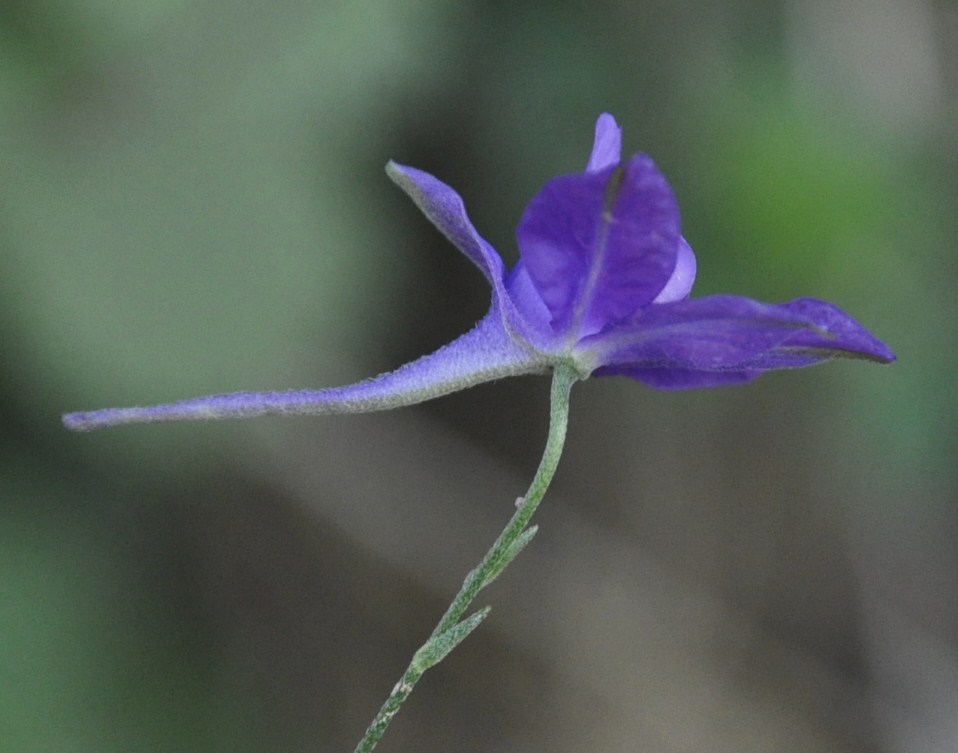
(725, 339)
(531, 309)
(483, 354)
(607, 147)
(599, 246)
(683, 276)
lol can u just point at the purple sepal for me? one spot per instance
(446, 210)
(599, 246)
(681, 379)
(720, 340)
(443, 206)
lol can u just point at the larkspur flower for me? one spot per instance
(602, 286)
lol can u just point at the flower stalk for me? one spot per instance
(452, 629)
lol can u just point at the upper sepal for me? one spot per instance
(600, 245)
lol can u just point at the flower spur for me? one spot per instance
(602, 287)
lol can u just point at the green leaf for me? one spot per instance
(439, 646)
(510, 554)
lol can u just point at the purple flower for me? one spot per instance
(602, 286)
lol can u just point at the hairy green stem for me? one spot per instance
(452, 629)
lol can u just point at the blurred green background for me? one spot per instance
(192, 200)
